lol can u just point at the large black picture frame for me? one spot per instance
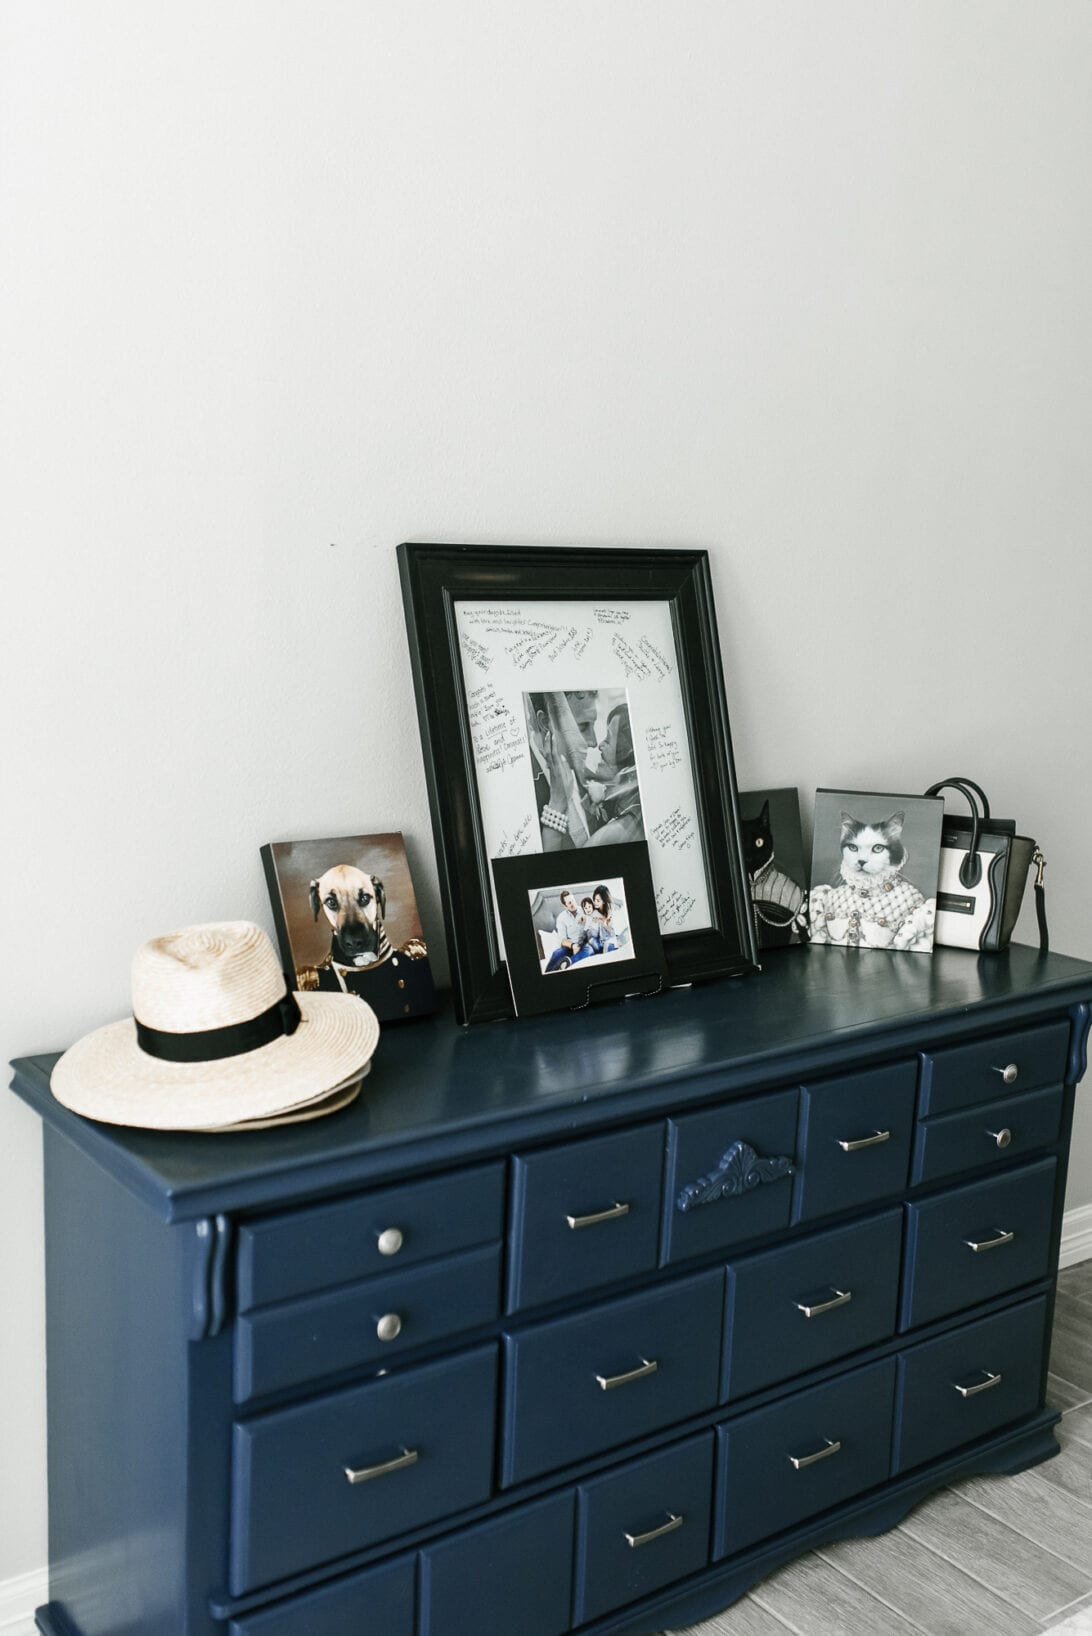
(435, 578)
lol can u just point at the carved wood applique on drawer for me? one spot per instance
(739, 1159)
(739, 1170)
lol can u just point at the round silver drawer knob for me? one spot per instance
(389, 1327)
(390, 1241)
(1002, 1137)
(1009, 1074)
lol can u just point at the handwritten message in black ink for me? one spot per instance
(672, 906)
(514, 845)
(676, 830)
(477, 653)
(658, 665)
(524, 638)
(498, 735)
(629, 657)
(663, 749)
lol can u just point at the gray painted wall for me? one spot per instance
(285, 284)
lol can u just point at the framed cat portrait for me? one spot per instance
(874, 869)
(773, 853)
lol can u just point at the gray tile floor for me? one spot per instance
(992, 1556)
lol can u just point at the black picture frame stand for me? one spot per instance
(644, 986)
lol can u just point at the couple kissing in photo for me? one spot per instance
(586, 790)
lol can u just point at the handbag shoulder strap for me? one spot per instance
(1040, 901)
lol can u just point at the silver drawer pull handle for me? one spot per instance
(989, 1243)
(799, 1461)
(668, 1527)
(390, 1241)
(1002, 1137)
(874, 1140)
(389, 1327)
(813, 1309)
(615, 1213)
(648, 1367)
(364, 1474)
(1010, 1073)
(983, 1385)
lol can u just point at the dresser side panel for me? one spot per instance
(116, 1327)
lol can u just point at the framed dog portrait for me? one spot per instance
(574, 940)
(874, 867)
(570, 700)
(347, 922)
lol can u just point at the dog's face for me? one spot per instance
(354, 903)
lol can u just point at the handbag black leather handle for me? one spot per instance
(970, 870)
(964, 785)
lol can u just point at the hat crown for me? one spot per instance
(207, 976)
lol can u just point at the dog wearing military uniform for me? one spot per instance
(396, 982)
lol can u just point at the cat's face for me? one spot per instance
(757, 839)
(871, 849)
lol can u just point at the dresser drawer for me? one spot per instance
(370, 1322)
(578, 1385)
(299, 1251)
(378, 1602)
(960, 1075)
(969, 1383)
(1009, 1218)
(642, 1527)
(585, 1215)
(713, 1155)
(791, 1309)
(512, 1574)
(797, 1458)
(420, 1446)
(987, 1135)
(855, 1137)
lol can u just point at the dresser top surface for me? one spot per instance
(438, 1094)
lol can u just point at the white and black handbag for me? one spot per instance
(983, 871)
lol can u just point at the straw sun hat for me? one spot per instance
(216, 1039)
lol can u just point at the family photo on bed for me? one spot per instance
(581, 924)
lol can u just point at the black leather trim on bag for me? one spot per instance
(1006, 872)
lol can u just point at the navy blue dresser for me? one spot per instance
(582, 1323)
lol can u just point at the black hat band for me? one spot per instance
(213, 1044)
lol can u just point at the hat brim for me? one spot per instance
(330, 1102)
(107, 1076)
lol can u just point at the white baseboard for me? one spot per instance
(21, 1595)
(1076, 1236)
(18, 1599)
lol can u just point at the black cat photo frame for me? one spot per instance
(572, 698)
(773, 852)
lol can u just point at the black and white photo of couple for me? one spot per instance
(582, 923)
(584, 768)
